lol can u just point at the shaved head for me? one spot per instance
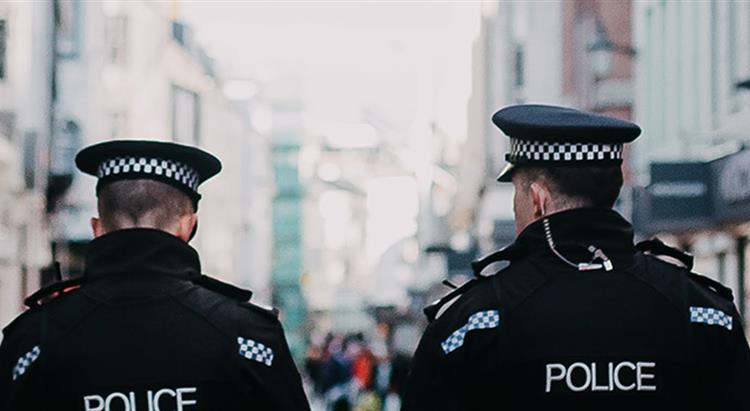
(142, 203)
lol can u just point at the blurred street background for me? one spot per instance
(359, 156)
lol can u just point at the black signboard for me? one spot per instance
(732, 197)
(678, 199)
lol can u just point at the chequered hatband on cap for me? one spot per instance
(181, 166)
(550, 136)
(522, 151)
(178, 171)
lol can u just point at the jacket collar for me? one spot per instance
(140, 252)
(574, 231)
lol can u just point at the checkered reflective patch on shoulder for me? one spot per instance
(25, 361)
(710, 316)
(253, 350)
(477, 321)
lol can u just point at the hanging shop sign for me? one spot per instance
(693, 196)
(732, 199)
(678, 199)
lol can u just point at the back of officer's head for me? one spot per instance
(541, 191)
(144, 203)
(574, 187)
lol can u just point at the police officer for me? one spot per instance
(581, 318)
(143, 329)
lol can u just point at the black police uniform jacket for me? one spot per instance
(541, 334)
(146, 332)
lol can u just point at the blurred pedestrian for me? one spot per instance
(363, 363)
(582, 318)
(143, 328)
(314, 360)
(337, 376)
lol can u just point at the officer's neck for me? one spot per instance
(181, 227)
(574, 230)
(140, 250)
(558, 207)
(540, 212)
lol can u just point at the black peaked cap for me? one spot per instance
(562, 125)
(184, 167)
(543, 135)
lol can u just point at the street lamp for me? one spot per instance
(602, 50)
(743, 85)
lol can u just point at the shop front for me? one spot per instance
(703, 208)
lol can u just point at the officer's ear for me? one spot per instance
(541, 199)
(186, 226)
(97, 227)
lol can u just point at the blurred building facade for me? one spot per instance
(335, 212)
(287, 134)
(133, 70)
(691, 58)
(693, 104)
(360, 227)
(598, 57)
(534, 52)
(73, 73)
(514, 61)
(25, 100)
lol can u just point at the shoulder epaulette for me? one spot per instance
(268, 311)
(432, 310)
(52, 291)
(223, 288)
(506, 254)
(657, 247)
(715, 286)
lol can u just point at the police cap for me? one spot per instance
(542, 135)
(183, 167)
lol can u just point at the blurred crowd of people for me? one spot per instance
(355, 373)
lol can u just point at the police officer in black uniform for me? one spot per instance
(582, 318)
(143, 329)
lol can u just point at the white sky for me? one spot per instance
(400, 66)
(409, 63)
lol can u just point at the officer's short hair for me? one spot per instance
(594, 186)
(141, 203)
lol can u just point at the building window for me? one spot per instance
(30, 160)
(519, 66)
(68, 19)
(3, 48)
(7, 124)
(117, 40)
(185, 116)
(66, 142)
(182, 34)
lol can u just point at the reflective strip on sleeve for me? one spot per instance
(25, 361)
(253, 350)
(477, 321)
(710, 316)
